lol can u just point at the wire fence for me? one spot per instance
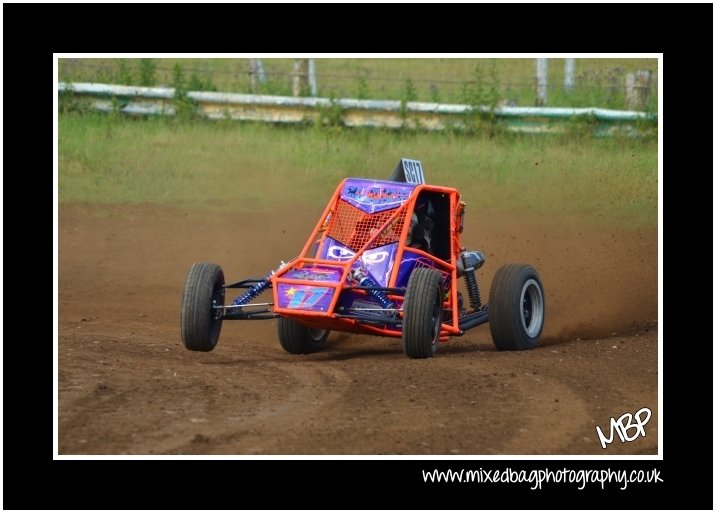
(501, 82)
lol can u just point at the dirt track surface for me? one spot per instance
(127, 385)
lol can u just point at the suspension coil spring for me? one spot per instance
(473, 289)
(253, 291)
(366, 281)
(257, 288)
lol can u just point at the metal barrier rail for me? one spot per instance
(135, 100)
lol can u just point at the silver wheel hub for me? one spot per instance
(532, 305)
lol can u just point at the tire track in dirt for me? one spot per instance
(301, 392)
(222, 397)
(126, 385)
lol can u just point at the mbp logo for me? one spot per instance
(623, 425)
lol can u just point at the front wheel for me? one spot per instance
(516, 307)
(295, 338)
(423, 313)
(200, 321)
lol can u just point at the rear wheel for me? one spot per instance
(295, 338)
(200, 322)
(422, 313)
(516, 308)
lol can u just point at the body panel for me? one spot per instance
(364, 229)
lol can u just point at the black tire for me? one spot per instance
(516, 307)
(295, 338)
(200, 326)
(423, 311)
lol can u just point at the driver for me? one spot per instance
(421, 228)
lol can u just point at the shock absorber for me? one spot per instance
(363, 280)
(256, 288)
(473, 289)
(467, 264)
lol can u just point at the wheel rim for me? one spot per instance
(532, 304)
(437, 317)
(217, 299)
(316, 334)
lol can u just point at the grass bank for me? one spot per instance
(231, 166)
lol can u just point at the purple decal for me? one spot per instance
(304, 297)
(334, 250)
(373, 196)
(315, 273)
(409, 262)
(379, 262)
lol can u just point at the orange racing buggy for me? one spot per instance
(384, 259)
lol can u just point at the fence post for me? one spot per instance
(299, 77)
(256, 72)
(312, 77)
(568, 75)
(638, 89)
(541, 82)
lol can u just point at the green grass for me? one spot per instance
(240, 167)
(599, 82)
